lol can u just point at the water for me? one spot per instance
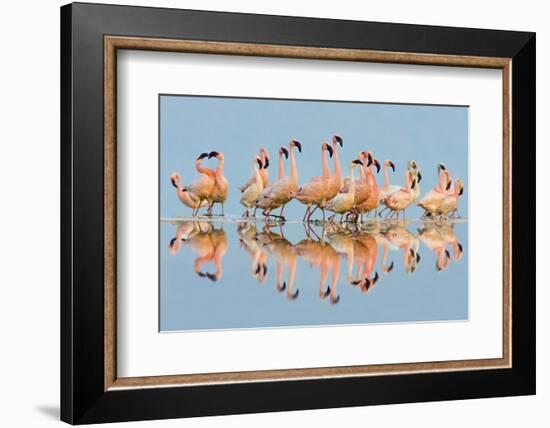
(236, 274)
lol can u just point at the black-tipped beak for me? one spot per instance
(172, 241)
(448, 185)
(357, 161)
(202, 156)
(461, 191)
(413, 184)
(329, 150)
(377, 164)
(375, 279)
(441, 167)
(419, 177)
(447, 254)
(259, 163)
(339, 140)
(298, 145)
(369, 159)
(392, 166)
(212, 154)
(266, 164)
(285, 152)
(390, 267)
(173, 183)
(459, 247)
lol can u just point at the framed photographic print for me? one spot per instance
(265, 213)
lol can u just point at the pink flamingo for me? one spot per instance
(315, 191)
(221, 186)
(264, 172)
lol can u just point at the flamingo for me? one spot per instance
(264, 172)
(432, 238)
(253, 190)
(449, 204)
(361, 184)
(201, 189)
(402, 198)
(373, 189)
(186, 198)
(221, 187)
(281, 191)
(432, 200)
(264, 202)
(398, 236)
(315, 191)
(343, 202)
(247, 233)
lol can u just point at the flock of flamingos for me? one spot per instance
(350, 197)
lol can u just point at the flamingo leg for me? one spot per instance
(306, 213)
(311, 213)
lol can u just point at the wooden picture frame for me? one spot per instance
(91, 390)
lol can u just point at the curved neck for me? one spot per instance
(281, 166)
(326, 171)
(202, 170)
(363, 170)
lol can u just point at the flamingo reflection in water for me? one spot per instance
(436, 236)
(247, 233)
(395, 235)
(208, 242)
(284, 255)
(319, 253)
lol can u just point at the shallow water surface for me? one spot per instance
(235, 274)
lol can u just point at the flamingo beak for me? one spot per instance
(419, 176)
(259, 163)
(202, 156)
(461, 191)
(339, 140)
(174, 183)
(377, 164)
(285, 152)
(172, 241)
(298, 145)
(266, 165)
(391, 164)
(449, 182)
(440, 167)
(212, 154)
(329, 150)
(369, 159)
(357, 161)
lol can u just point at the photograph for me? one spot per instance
(281, 213)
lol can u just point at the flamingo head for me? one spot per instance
(459, 186)
(297, 144)
(440, 167)
(175, 178)
(258, 160)
(336, 139)
(356, 162)
(390, 164)
(265, 157)
(376, 164)
(328, 149)
(202, 156)
(217, 155)
(283, 151)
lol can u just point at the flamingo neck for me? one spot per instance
(351, 181)
(258, 176)
(386, 179)
(326, 172)
(337, 167)
(202, 170)
(281, 166)
(294, 169)
(407, 182)
(443, 179)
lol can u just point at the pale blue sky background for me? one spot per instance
(190, 125)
